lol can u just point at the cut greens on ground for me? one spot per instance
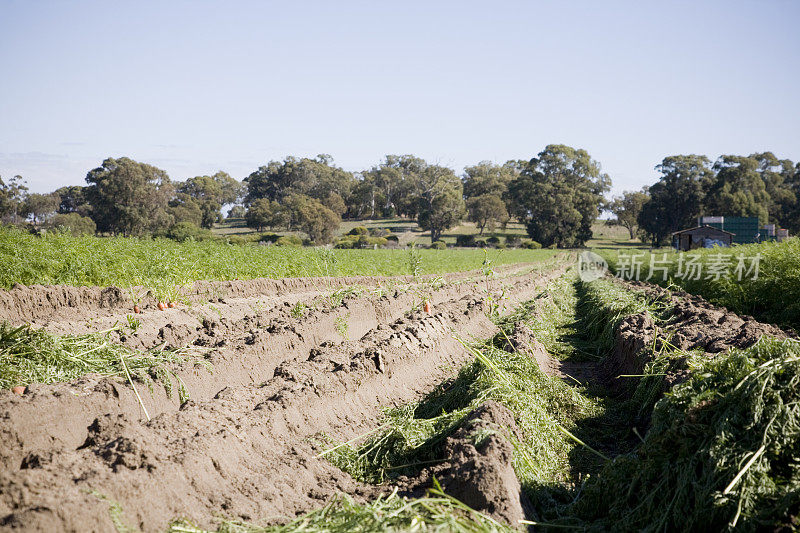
(657, 473)
(31, 355)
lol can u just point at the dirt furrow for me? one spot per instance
(245, 347)
(49, 303)
(245, 450)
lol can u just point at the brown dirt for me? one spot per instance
(479, 470)
(244, 445)
(693, 324)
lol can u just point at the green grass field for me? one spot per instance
(407, 230)
(123, 261)
(608, 237)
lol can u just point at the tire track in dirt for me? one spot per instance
(245, 450)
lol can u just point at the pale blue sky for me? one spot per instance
(194, 87)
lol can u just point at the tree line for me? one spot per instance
(557, 195)
(759, 185)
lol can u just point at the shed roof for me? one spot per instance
(706, 226)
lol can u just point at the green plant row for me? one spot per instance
(125, 262)
(435, 512)
(721, 453)
(774, 296)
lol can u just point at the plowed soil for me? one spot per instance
(246, 444)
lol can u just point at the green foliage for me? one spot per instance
(558, 196)
(393, 186)
(298, 310)
(184, 208)
(72, 199)
(721, 452)
(12, 200)
(392, 513)
(268, 237)
(314, 178)
(440, 202)
(250, 238)
(129, 197)
(209, 193)
(184, 231)
(265, 213)
(29, 355)
(488, 178)
(289, 240)
(465, 241)
(601, 307)
(41, 207)
(627, 208)
(74, 223)
(530, 244)
(439, 245)
(342, 326)
(773, 297)
(486, 209)
(237, 211)
(316, 220)
(676, 200)
(411, 436)
(126, 261)
(358, 230)
(361, 241)
(738, 189)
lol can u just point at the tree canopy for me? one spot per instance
(129, 197)
(558, 195)
(627, 208)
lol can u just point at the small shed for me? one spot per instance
(701, 237)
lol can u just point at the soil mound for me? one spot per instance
(692, 323)
(480, 472)
(478, 469)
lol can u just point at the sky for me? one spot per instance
(195, 87)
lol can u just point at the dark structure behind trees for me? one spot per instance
(699, 237)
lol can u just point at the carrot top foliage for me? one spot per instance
(774, 296)
(127, 261)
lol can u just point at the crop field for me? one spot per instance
(149, 385)
(160, 263)
(767, 284)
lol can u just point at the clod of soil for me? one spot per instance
(478, 468)
(480, 472)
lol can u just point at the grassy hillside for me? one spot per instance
(408, 231)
